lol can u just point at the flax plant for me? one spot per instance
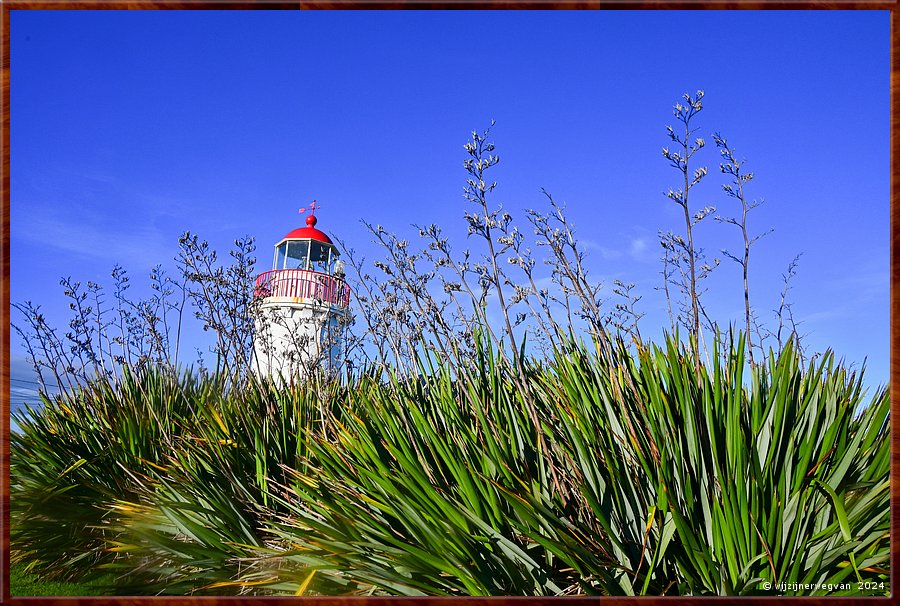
(677, 485)
(684, 487)
(79, 452)
(690, 253)
(733, 167)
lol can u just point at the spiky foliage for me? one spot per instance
(683, 486)
(82, 450)
(673, 483)
(706, 486)
(154, 463)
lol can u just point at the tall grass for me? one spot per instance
(646, 478)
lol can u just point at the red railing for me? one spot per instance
(303, 283)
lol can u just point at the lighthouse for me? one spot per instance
(302, 306)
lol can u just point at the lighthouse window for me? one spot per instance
(318, 258)
(297, 254)
(279, 256)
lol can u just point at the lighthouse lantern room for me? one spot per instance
(303, 306)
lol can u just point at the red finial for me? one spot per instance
(311, 219)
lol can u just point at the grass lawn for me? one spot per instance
(22, 583)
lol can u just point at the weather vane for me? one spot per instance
(313, 207)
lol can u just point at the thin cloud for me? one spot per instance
(867, 285)
(638, 247)
(825, 315)
(132, 246)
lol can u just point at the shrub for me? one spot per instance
(650, 481)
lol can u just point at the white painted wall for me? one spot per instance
(294, 337)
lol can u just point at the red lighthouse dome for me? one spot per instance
(306, 265)
(309, 232)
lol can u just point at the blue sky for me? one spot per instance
(129, 128)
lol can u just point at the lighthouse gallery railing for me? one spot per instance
(303, 283)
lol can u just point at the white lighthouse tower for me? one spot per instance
(303, 306)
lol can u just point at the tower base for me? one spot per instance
(297, 338)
